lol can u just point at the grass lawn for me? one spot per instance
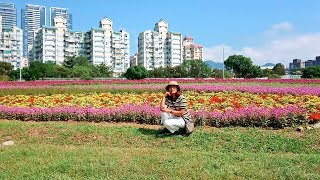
(70, 150)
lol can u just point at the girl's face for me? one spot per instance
(172, 89)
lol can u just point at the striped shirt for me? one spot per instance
(179, 104)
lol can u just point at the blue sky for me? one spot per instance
(266, 31)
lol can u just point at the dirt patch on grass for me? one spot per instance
(294, 134)
(41, 132)
(38, 132)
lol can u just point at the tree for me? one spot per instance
(311, 72)
(158, 73)
(136, 72)
(194, 69)
(37, 70)
(102, 70)
(72, 61)
(279, 69)
(83, 72)
(61, 71)
(49, 66)
(5, 68)
(218, 73)
(27, 75)
(253, 72)
(15, 75)
(242, 67)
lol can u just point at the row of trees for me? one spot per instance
(236, 66)
(79, 67)
(72, 67)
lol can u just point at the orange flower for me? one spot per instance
(214, 99)
(201, 100)
(314, 117)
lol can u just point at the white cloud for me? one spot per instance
(284, 26)
(277, 49)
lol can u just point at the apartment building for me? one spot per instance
(160, 47)
(296, 64)
(103, 45)
(134, 60)
(191, 50)
(8, 12)
(32, 18)
(11, 45)
(60, 12)
(99, 45)
(55, 43)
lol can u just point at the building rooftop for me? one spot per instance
(48, 27)
(175, 32)
(197, 45)
(97, 29)
(188, 38)
(74, 31)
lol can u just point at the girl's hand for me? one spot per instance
(163, 108)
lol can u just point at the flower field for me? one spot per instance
(122, 101)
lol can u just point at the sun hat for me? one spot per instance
(173, 83)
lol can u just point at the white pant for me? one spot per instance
(171, 122)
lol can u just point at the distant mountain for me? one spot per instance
(214, 65)
(268, 64)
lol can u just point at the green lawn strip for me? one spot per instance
(43, 161)
(235, 139)
(64, 150)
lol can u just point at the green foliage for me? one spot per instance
(136, 72)
(15, 75)
(37, 70)
(49, 69)
(195, 69)
(298, 71)
(27, 74)
(242, 67)
(279, 69)
(102, 70)
(311, 72)
(73, 67)
(4, 78)
(218, 73)
(61, 71)
(188, 69)
(159, 73)
(73, 61)
(83, 72)
(5, 68)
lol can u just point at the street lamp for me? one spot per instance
(20, 67)
(223, 61)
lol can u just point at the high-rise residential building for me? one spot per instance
(191, 50)
(62, 12)
(55, 43)
(160, 47)
(296, 64)
(103, 45)
(317, 61)
(8, 12)
(32, 18)
(309, 63)
(134, 60)
(100, 45)
(11, 45)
